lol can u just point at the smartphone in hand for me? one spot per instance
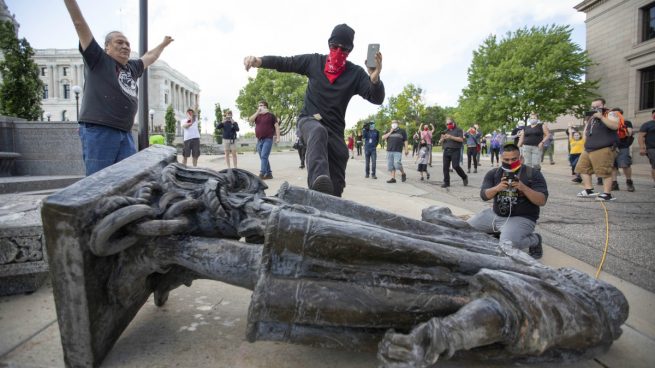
(373, 49)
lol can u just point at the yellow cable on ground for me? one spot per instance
(607, 239)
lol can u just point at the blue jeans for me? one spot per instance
(103, 146)
(264, 146)
(371, 157)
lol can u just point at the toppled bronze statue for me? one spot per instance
(324, 271)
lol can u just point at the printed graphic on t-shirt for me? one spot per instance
(505, 200)
(127, 83)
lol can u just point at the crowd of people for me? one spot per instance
(515, 184)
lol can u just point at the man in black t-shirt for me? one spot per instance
(230, 129)
(452, 142)
(518, 192)
(110, 93)
(647, 142)
(332, 82)
(599, 150)
(396, 140)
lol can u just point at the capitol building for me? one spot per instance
(62, 71)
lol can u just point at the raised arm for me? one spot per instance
(81, 27)
(151, 56)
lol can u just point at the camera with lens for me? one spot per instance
(592, 112)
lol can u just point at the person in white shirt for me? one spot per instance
(191, 138)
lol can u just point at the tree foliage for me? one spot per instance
(410, 109)
(538, 69)
(284, 93)
(170, 121)
(21, 89)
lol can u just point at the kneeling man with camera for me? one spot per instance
(518, 192)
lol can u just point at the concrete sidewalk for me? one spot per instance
(204, 325)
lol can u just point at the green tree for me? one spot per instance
(284, 93)
(408, 107)
(21, 89)
(538, 69)
(171, 122)
(218, 117)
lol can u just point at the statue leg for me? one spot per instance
(478, 323)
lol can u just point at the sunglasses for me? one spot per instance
(334, 46)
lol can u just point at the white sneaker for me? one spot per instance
(584, 194)
(605, 197)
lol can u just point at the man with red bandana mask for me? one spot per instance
(332, 82)
(518, 192)
(451, 142)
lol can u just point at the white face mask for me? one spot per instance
(533, 121)
(394, 126)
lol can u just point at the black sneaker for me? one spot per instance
(577, 179)
(445, 185)
(630, 185)
(466, 181)
(422, 178)
(323, 184)
(366, 177)
(374, 177)
(615, 185)
(403, 178)
(536, 251)
(391, 181)
(605, 197)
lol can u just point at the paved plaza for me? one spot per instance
(204, 325)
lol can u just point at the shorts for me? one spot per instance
(394, 161)
(229, 145)
(651, 157)
(599, 162)
(191, 148)
(623, 158)
(423, 167)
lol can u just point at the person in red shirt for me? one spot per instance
(266, 127)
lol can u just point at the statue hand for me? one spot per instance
(397, 350)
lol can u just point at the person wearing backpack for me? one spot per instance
(623, 159)
(517, 192)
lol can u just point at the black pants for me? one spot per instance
(326, 154)
(472, 152)
(451, 155)
(495, 152)
(301, 154)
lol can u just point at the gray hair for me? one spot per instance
(110, 36)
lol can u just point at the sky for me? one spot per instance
(428, 43)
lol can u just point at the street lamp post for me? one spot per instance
(152, 120)
(77, 90)
(47, 115)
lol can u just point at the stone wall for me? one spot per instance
(45, 148)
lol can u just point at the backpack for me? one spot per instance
(622, 131)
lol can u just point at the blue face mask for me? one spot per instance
(372, 126)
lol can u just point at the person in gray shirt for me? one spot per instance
(110, 93)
